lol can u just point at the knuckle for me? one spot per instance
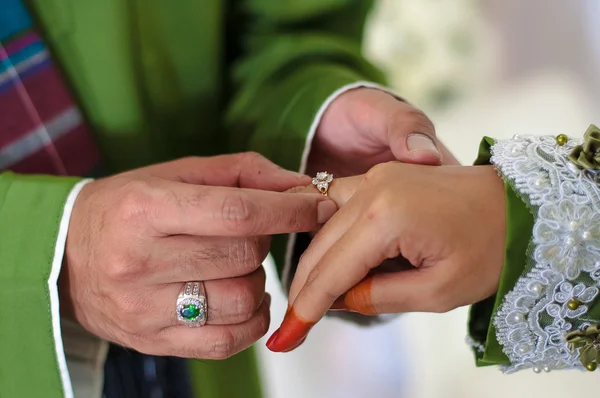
(415, 113)
(237, 213)
(246, 254)
(297, 218)
(408, 119)
(134, 201)
(376, 174)
(120, 269)
(251, 158)
(243, 301)
(222, 347)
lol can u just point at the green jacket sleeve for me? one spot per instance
(31, 209)
(294, 56)
(546, 311)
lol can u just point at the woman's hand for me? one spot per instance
(448, 222)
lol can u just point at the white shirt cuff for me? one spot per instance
(78, 353)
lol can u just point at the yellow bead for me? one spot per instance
(591, 366)
(573, 304)
(561, 139)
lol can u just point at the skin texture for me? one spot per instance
(364, 127)
(135, 238)
(448, 222)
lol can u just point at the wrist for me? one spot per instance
(493, 192)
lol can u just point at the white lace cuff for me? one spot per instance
(559, 283)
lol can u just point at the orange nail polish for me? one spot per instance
(359, 298)
(296, 346)
(291, 334)
(272, 340)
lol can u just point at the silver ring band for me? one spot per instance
(322, 181)
(191, 304)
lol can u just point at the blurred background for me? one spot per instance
(487, 67)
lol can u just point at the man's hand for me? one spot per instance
(135, 238)
(364, 127)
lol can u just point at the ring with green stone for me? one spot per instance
(191, 304)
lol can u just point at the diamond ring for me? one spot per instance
(191, 304)
(322, 181)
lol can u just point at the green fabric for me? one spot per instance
(519, 226)
(586, 341)
(30, 212)
(226, 379)
(159, 80)
(587, 156)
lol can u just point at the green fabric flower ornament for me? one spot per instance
(588, 343)
(587, 156)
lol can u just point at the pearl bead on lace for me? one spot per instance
(573, 226)
(519, 317)
(525, 348)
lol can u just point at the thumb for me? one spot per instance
(411, 135)
(414, 143)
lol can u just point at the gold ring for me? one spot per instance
(322, 181)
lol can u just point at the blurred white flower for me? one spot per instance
(432, 50)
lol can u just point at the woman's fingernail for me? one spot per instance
(325, 210)
(291, 333)
(421, 142)
(296, 346)
(272, 340)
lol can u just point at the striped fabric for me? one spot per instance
(42, 131)
(41, 128)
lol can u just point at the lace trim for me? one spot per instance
(563, 254)
(474, 344)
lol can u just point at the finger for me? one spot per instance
(223, 211)
(414, 290)
(230, 301)
(183, 257)
(235, 300)
(329, 234)
(246, 170)
(410, 135)
(212, 341)
(340, 190)
(345, 264)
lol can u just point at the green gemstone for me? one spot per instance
(190, 311)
